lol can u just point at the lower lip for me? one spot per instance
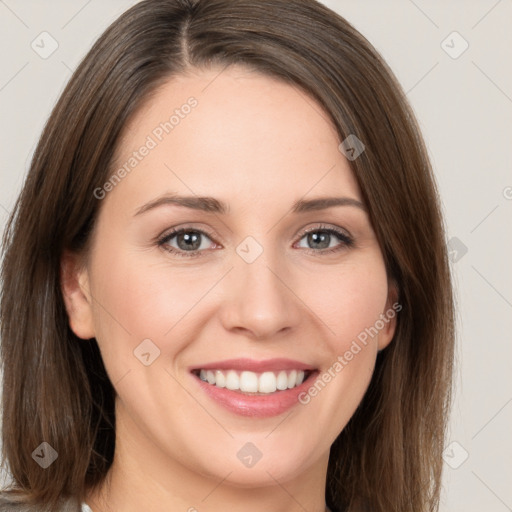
(261, 406)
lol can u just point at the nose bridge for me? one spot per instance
(260, 300)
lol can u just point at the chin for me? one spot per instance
(264, 472)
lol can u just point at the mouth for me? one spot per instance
(252, 388)
(253, 383)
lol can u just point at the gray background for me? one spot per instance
(463, 101)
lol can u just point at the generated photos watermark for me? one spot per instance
(343, 360)
(156, 136)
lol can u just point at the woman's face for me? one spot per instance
(266, 284)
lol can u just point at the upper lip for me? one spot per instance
(254, 365)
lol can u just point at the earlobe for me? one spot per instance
(389, 316)
(74, 283)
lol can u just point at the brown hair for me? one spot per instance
(55, 388)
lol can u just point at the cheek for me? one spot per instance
(350, 299)
(351, 303)
(137, 300)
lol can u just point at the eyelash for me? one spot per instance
(346, 241)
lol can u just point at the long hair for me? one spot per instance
(55, 387)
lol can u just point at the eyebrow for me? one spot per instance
(212, 205)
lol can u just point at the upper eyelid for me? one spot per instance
(176, 231)
(325, 227)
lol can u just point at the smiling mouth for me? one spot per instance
(254, 383)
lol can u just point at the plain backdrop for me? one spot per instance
(454, 61)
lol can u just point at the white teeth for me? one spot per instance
(292, 378)
(267, 382)
(251, 382)
(232, 380)
(220, 379)
(248, 382)
(282, 381)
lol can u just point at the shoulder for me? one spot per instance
(9, 504)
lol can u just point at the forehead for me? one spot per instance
(231, 133)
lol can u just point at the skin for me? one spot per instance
(259, 145)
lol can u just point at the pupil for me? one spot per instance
(321, 239)
(191, 241)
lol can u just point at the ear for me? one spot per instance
(74, 281)
(389, 316)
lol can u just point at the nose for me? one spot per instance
(260, 299)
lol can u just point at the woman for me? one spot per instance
(225, 281)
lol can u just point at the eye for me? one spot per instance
(324, 239)
(186, 242)
(189, 242)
